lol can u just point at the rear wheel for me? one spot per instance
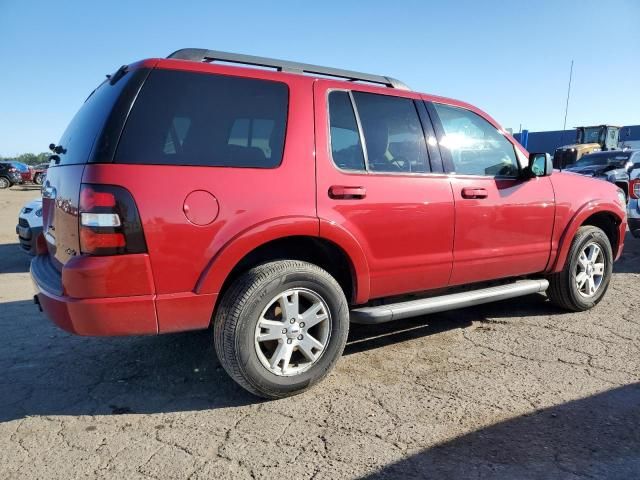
(4, 183)
(281, 328)
(587, 272)
(38, 179)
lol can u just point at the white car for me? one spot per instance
(30, 225)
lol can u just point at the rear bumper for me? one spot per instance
(124, 315)
(114, 295)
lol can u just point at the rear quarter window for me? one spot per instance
(187, 118)
(88, 125)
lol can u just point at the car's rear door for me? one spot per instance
(378, 181)
(504, 222)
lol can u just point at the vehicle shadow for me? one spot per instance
(49, 372)
(370, 337)
(46, 371)
(594, 437)
(13, 259)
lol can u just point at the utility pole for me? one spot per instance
(566, 107)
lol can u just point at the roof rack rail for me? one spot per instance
(204, 55)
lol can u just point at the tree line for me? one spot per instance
(28, 158)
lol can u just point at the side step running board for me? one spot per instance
(414, 308)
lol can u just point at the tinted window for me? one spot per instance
(346, 148)
(476, 147)
(79, 137)
(186, 118)
(392, 132)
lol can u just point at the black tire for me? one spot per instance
(563, 290)
(4, 183)
(37, 179)
(238, 313)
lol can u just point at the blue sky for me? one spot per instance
(508, 58)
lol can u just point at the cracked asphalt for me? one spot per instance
(517, 389)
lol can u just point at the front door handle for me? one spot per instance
(471, 192)
(344, 192)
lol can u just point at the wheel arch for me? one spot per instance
(598, 214)
(292, 239)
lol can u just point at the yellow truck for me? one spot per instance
(588, 140)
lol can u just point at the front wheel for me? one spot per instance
(281, 328)
(38, 179)
(4, 183)
(587, 272)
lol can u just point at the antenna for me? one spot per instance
(566, 108)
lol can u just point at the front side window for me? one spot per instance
(393, 134)
(475, 146)
(186, 118)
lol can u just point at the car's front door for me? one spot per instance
(376, 183)
(504, 222)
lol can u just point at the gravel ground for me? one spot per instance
(516, 389)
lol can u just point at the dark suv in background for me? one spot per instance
(9, 175)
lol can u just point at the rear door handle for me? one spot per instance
(471, 192)
(347, 193)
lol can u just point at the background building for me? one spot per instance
(549, 141)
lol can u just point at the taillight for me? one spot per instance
(109, 221)
(634, 188)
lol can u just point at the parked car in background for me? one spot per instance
(39, 173)
(24, 169)
(279, 205)
(633, 209)
(30, 225)
(9, 175)
(613, 166)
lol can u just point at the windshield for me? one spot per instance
(599, 160)
(589, 135)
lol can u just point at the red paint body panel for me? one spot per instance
(101, 316)
(110, 276)
(404, 225)
(506, 234)
(180, 312)
(180, 251)
(577, 198)
(359, 264)
(401, 233)
(227, 256)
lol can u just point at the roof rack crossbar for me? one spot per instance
(204, 55)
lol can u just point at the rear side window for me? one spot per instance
(78, 139)
(346, 148)
(186, 118)
(393, 133)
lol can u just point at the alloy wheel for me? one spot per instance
(293, 332)
(589, 273)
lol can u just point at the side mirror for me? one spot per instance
(540, 165)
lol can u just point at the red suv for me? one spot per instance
(277, 204)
